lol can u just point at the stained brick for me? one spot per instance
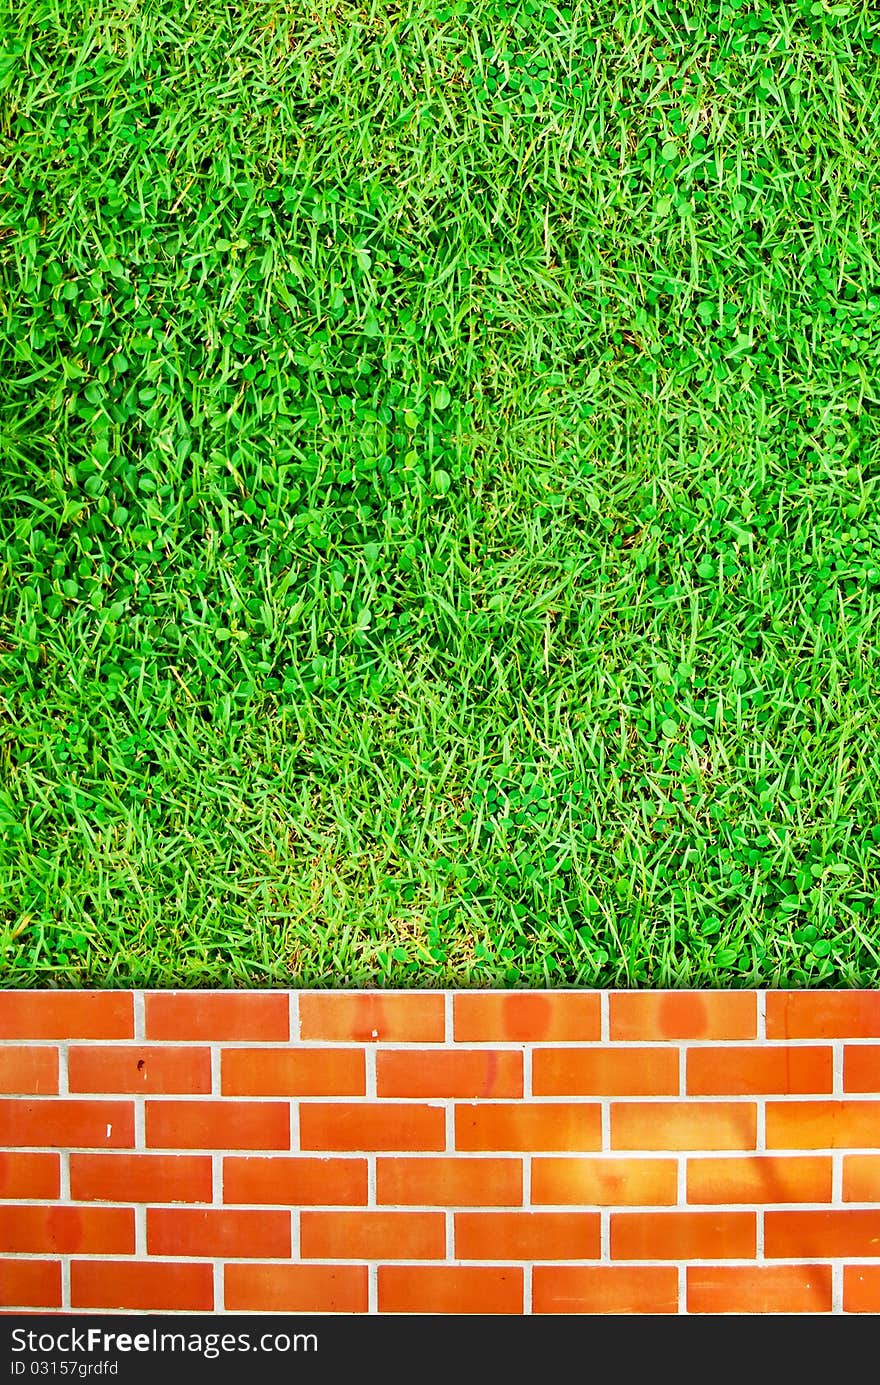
(28, 1071)
(141, 1286)
(605, 1182)
(66, 1015)
(30, 1283)
(375, 1016)
(680, 1125)
(526, 1236)
(605, 1072)
(296, 1288)
(157, 1068)
(759, 1289)
(449, 1182)
(140, 1177)
(759, 1071)
(74, 1123)
(53, 1230)
(236, 1017)
(518, 1126)
(823, 1015)
(682, 1235)
(293, 1072)
(441, 1073)
(373, 1235)
(282, 1181)
(604, 1289)
(218, 1124)
(649, 1016)
(823, 1124)
(373, 1126)
(218, 1233)
(450, 1289)
(759, 1179)
(28, 1176)
(527, 1017)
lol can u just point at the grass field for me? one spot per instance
(439, 539)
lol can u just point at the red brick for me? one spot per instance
(296, 1288)
(861, 1068)
(823, 1015)
(30, 1283)
(651, 1015)
(683, 1235)
(683, 1125)
(823, 1124)
(67, 1230)
(460, 1073)
(449, 1182)
(514, 1126)
(293, 1182)
(861, 1178)
(527, 1017)
(605, 1072)
(66, 1015)
(373, 1016)
(218, 1125)
(293, 1072)
(27, 1071)
(759, 1071)
(140, 1177)
(220, 1233)
(372, 1235)
(233, 1016)
(605, 1182)
(136, 1068)
(861, 1288)
(527, 1235)
(825, 1235)
(141, 1286)
(604, 1289)
(29, 1176)
(759, 1289)
(344, 1126)
(67, 1124)
(759, 1179)
(450, 1289)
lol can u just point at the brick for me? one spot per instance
(218, 1233)
(683, 1235)
(67, 1230)
(55, 1121)
(825, 1235)
(449, 1182)
(650, 1016)
(604, 1289)
(295, 1182)
(30, 1283)
(527, 1017)
(605, 1182)
(27, 1071)
(823, 1124)
(759, 1071)
(293, 1072)
(376, 1016)
(759, 1289)
(136, 1068)
(217, 1125)
(759, 1179)
(861, 1288)
(605, 1072)
(547, 1127)
(462, 1073)
(527, 1235)
(683, 1125)
(140, 1177)
(861, 1178)
(296, 1288)
(861, 1068)
(206, 1015)
(66, 1015)
(372, 1235)
(339, 1125)
(450, 1289)
(141, 1286)
(823, 1015)
(29, 1176)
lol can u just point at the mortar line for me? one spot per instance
(604, 1017)
(448, 1018)
(293, 1016)
(139, 1023)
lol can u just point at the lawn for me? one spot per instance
(439, 539)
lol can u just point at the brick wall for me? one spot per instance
(506, 1152)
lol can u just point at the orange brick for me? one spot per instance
(759, 1179)
(29, 1176)
(226, 1232)
(30, 1283)
(293, 1072)
(824, 1235)
(759, 1289)
(373, 1235)
(527, 1017)
(141, 1285)
(140, 1177)
(296, 1288)
(135, 1068)
(758, 1071)
(861, 1178)
(527, 1235)
(218, 1125)
(823, 1015)
(450, 1182)
(861, 1068)
(450, 1289)
(683, 1125)
(444, 1073)
(605, 1072)
(605, 1289)
(371, 1016)
(67, 1230)
(652, 1015)
(605, 1182)
(514, 1126)
(66, 1015)
(861, 1288)
(339, 1125)
(682, 1235)
(67, 1124)
(294, 1182)
(823, 1124)
(27, 1071)
(235, 1017)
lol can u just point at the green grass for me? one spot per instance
(439, 539)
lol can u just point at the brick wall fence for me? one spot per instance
(498, 1152)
